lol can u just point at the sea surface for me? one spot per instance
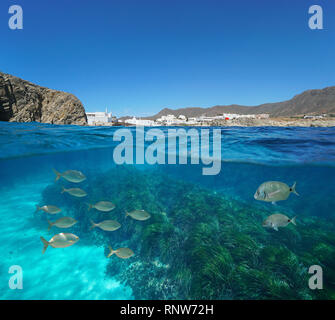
(204, 239)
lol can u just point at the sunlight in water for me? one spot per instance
(76, 272)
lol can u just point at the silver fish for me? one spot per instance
(49, 209)
(64, 222)
(104, 206)
(107, 225)
(140, 215)
(278, 220)
(123, 253)
(76, 192)
(273, 191)
(70, 175)
(61, 240)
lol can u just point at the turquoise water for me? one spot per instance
(250, 156)
(59, 274)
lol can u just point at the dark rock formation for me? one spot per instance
(22, 101)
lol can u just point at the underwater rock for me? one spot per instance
(29, 102)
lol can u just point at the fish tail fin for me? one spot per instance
(58, 174)
(111, 252)
(293, 189)
(93, 225)
(90, 207)
(50, 225)
(293, 221)
(127, 214)
(38, 208)
(63, 190)
(45, 244)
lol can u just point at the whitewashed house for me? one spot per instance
(98, 118)
(140, 122)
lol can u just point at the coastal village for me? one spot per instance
(226, 119)
(106, 118)
(172, 120)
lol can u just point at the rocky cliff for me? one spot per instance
(22, 101)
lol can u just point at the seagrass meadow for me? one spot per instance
(200, 244)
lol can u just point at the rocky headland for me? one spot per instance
(23, 101)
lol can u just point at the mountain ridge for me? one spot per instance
(313, 101)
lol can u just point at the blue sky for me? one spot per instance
(139, 56)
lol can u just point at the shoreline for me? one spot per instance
(246, 122)
(278, 122)
(271, 122)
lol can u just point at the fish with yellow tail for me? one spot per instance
(64, 222)
(273, 191)
(48, 209)
(61, 240)
(278, 220)
(140, 215)
(104, 206)
(76, 192)
(106, 225)
(123, 253)
(70, 175)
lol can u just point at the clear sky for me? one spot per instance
(139, 56)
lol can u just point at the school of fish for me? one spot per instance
(63, 240)
(270, 191)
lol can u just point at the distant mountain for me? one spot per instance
(308, 102)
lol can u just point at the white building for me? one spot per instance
(237, 116)
(98, 118)
(170, 119)
(263, 116)
(140, 122)
(207, 119)
(248, 116)
(314, 116)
